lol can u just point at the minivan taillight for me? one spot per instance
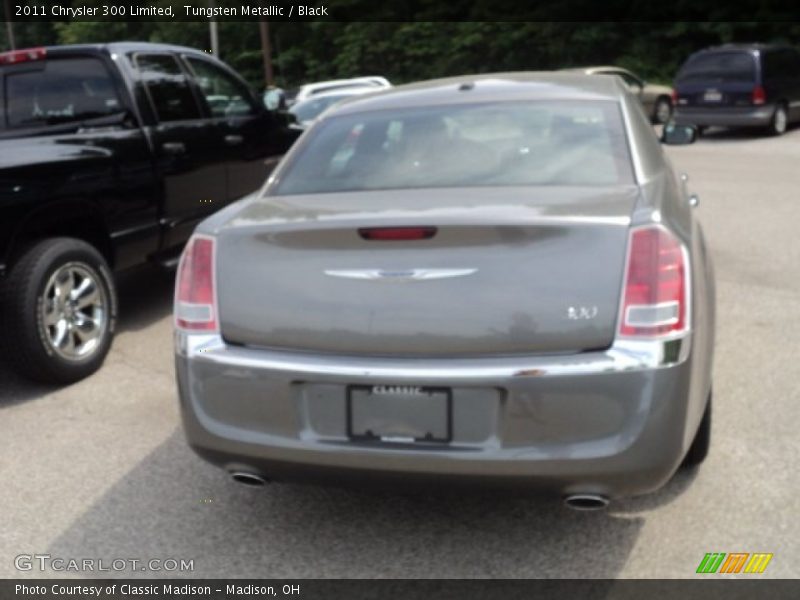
(759, 95)
(195, 294)
(655, 297)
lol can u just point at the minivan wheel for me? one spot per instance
(780, 120)
(59, 311)
(662, 111)
(698, 451)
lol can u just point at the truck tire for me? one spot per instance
(59, 311)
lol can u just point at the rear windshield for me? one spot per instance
(60, 91)
(719, 67)
(500, 144)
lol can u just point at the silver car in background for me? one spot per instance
(309, 109)
(495, 280)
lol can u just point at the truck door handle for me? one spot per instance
(233, 140)
(173, 148)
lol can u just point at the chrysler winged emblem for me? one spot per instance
(399, 275)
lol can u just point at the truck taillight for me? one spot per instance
(19, 56)
(759, 95)
(655, 297)
(195, 293)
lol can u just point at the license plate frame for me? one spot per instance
(712, 96)
(422, 417)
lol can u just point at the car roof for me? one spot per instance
(354, 90)
(594, 69)
(489, 87)
(373, 80)
(754, 47)
(124, 47)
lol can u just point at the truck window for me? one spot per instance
(224, 94)
(64, 90)
(168, 87)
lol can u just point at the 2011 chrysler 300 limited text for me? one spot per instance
(495, 279)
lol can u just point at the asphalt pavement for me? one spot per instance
(100, 470)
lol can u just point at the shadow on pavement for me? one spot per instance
(680, 482)
(145, 296)
(173, 505)
(15, 389)
(725, 134)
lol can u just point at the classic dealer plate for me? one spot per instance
(399, 413)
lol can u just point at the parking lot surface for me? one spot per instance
(100, 469)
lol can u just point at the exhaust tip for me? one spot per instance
(586, 502)
(248, 478)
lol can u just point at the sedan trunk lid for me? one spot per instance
(504, 270)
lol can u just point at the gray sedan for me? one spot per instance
(494, 280)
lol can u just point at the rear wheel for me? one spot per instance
(780, 120)
(59, 311)
(702, 440)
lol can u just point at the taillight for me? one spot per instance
(759, 95)
(674, 95)
(18, 56)
(655, 296)
(195, 294)
(394, 234)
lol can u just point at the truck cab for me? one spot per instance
(110, 154)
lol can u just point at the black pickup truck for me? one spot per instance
(109, 156)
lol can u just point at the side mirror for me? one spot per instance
(275, 99)
(678, 135)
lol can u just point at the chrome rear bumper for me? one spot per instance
(610, 422)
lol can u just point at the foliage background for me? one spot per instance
(440, 43)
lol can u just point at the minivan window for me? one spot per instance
(719, 67)
(168, 86)
(63, 91)
(505, 144)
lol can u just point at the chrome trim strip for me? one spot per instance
(399, 275)
(624, 355)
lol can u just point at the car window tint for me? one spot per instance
(168, 87)
(312, 108)
(64, 90)
(719, 67)
(225, 95)
(534, 143)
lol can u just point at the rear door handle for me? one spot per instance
(173, 148)
(233, 140)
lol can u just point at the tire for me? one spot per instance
(698, 451)
(662, 111)
(59, 311)
(780, 120)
